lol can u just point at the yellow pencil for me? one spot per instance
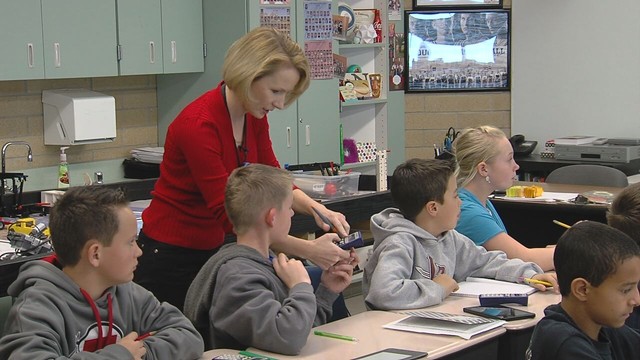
(535, 281)
(561, 224)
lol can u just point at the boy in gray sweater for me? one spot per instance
(243, 296)
(418, 258)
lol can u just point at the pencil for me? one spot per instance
(535, 281)
(142, 337)
(561, 224)
(324, 218)
(254, 355)
(334, 336)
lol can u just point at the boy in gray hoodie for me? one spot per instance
(81, 303)
(418, 258)
(244, 296)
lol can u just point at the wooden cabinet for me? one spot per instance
(160, 36)
(182, 39)
(55, 39)
(79, 38)
(140, 37)
(21, 40)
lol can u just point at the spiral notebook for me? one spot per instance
(474, 287)
(433, 322)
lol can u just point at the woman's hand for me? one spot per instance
(338, 221)
(325, 253)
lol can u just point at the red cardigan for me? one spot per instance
(187, 208)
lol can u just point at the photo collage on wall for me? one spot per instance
(318, 35)
(278, 18)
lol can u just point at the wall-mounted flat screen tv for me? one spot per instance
(418, 4)
(457, 50)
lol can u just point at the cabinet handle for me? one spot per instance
(56, 50)
(288, 136)
(152, 52)
(174, 52)
(30, 58)
(307, 133)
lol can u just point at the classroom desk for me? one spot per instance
(539, 166)
(531, 223)
(513, 344)
(367, 327)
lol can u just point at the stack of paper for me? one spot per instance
(432, 322)
(148, 154)
(475, 287)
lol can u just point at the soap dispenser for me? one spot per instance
(63, 169)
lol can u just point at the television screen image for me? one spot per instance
(457, 50)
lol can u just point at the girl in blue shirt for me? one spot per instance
(485, 157)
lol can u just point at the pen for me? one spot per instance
(324, 218)
(142, 337)
(561, 224)
(334, 336)
(534, 281)
(255, 356)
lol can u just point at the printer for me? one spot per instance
(78, 116)
(610, 152)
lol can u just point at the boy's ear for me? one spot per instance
(580, 288)
(270, 217)
(93, 250)
(431, 207)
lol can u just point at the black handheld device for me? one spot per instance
(354, 240)
(393, 354)
(499, 312)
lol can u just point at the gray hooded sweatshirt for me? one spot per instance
(399, 274)
(52, 319)
(237, 300)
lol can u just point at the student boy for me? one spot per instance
(242, 296)
(598, 270)
(624, 215)
(418, 257)
(81, 303)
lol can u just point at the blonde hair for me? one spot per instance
(251, 190)
(473, 146)
(261, 52)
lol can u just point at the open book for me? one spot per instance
(475, 287)
(432, 322)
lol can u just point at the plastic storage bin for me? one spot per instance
(326, 187)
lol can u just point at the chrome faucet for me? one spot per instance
(4, 153)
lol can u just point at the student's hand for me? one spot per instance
(325, 252)
(447, 282)
(136, 348)
(290, 271)
(338, 220)
(338, 276)
(549, 277)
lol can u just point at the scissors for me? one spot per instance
(450, 136)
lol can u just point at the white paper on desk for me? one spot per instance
(442, 326)
(546, 197)
(474, 287)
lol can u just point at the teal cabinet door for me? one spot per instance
(140, 37)
(319, 123)
(182, 36)
(283, 130)
(21, 40)
(79, 38)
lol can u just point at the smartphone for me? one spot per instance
(393, 354)
(354, 240)
(499, 312)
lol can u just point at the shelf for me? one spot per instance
(357, 165)
(362, 46)
(362, 102)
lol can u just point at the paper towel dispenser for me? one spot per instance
(78, 116)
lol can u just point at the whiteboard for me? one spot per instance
(575, 68)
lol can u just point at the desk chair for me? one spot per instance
(588, 174)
